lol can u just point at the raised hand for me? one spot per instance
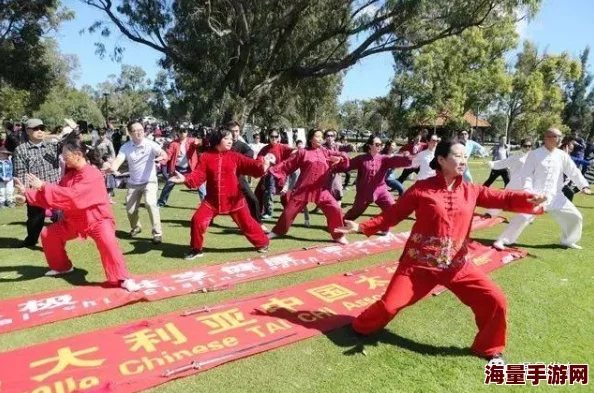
(270, 158)
(20, 199)
(34, 181)
(349, 227)
(538, 199)
(177, 178)
(19, 187)
(334, 160)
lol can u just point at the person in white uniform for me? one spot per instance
(514, 164)
(543, 173)
(423, 159)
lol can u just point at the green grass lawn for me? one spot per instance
(550, 294)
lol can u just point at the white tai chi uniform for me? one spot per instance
(514, 165)
(422, 161)
(543, 173)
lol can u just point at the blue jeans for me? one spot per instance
(269, 191)
(168, 187)
(202, 191)
(393, 183)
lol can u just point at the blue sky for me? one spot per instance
(561, 25)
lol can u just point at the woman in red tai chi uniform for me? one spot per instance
(436, 251)
(82, 196)
(219, 167)
(316, 164)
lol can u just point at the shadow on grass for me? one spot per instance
(179, 250)
(346, 337)
(18, 223)
(30, 272)
(489, 242)
(11, 242)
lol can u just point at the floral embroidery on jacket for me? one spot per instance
(440, 252)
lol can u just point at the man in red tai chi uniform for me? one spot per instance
(82, 196)
(436, 251)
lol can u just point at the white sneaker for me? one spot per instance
(383, 233)
(266, 217)
(265, 229)
(271, 235)
(54, 273)
(575, 246)
(342, 240)
(130, 286)
(499, 245)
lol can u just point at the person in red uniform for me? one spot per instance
(269, 185)
(317, 164)
(371, 172)
(82, 196)
(220, 168)
(436, 251)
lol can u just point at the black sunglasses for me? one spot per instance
(38, 128)
(274, 136)
(526, 145)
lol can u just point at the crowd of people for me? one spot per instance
(57, 175)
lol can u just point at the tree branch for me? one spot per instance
(106, 7)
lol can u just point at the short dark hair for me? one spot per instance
(525, 140)
(387, 146)
(230, 124)
(369, 142)
(102, 132)
(310, 135)
(73, 143)
(217, 136)
(271, 130)
(442, 149)
(131, 122)
(330, 130)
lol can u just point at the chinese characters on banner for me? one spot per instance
(144, 354)
(21, 313)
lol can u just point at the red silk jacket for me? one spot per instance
(443, 219)
(220, 170)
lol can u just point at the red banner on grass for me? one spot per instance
(143, 354)
(33, 310)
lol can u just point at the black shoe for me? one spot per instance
(193, 254)
(157, 239)
(263, 249)
(135, 231)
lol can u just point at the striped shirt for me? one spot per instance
(39, 159)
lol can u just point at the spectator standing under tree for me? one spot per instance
(391, 180)
(141, 155)
(40, 158)
(499, 152)
(103, 146)
(183, 158)
(239, 146)
(6, 179)
(472, 149)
